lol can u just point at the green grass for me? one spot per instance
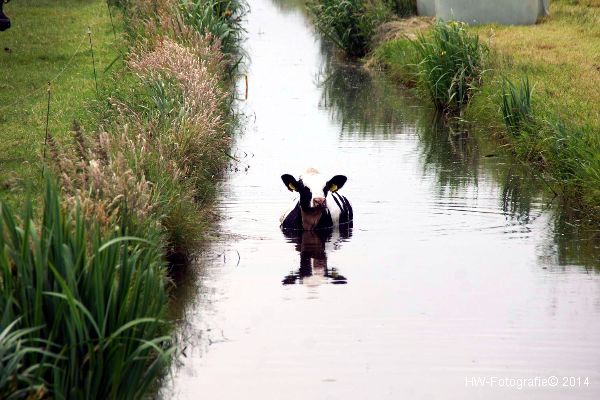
(47, 42)
(399, 60)
(89, 303)
(450, 65)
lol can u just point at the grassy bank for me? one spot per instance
(84, 273)
(48, 42)
(552, 68)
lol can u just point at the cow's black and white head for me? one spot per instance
(313, 188)
(4, 20)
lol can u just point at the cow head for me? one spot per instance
(4, 20)
(313, 188)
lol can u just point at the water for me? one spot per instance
(458, 266)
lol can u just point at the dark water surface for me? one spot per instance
(458, 266)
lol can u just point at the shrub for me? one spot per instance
(350, 24)
(451, 65)
(91, 302)
(516, 105)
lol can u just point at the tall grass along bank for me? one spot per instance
(450, 66)
(84, 278)
(539, 94)
(82, 309)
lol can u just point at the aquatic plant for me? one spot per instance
(516, 105)
(350, 24)
(451, 65)
(89, 302)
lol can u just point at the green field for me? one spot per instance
(48, 42)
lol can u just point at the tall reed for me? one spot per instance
(516, 105)
(90, 302)
(451, 66)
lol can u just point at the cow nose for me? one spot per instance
(319, 201)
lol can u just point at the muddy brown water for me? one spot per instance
(460, 279)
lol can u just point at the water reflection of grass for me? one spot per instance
(360, 103)
(575, 240)
(364, 104)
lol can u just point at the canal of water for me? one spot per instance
(459, 265)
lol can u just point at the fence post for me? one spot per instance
(89, 32)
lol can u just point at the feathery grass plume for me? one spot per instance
(102, 184)
(91, 302)
(451, 65)
(174, 73)
(81, 146)
(516, 105)
(157, 160)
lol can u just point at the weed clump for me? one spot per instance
(350, 24)
(451, 65)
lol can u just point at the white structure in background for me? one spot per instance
(508, 12)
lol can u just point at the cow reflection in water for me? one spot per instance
(312, 246)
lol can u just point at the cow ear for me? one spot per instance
(336, 183)
(290, 182)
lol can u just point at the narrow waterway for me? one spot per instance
(458, 267)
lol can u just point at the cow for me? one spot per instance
(313, 210)
(4, 20)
